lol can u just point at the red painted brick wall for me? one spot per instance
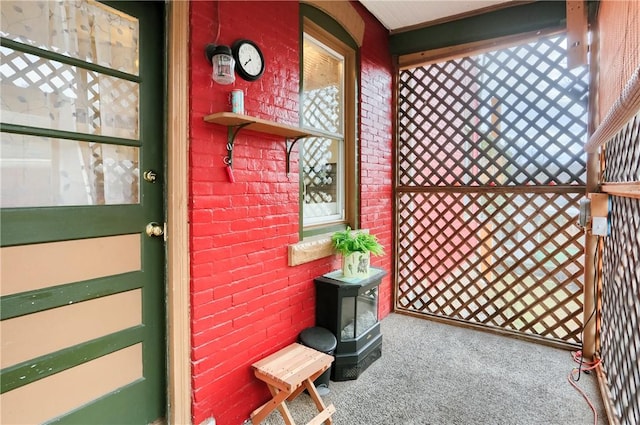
(246, 301)
(376, 166)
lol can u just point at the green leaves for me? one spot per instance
(348, 241)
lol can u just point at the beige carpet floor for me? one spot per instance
(433, 373)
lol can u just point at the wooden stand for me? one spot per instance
(287, 373)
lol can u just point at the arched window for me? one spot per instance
(328, 88)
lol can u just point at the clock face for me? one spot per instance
(249, 60)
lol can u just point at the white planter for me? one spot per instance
(356, 264)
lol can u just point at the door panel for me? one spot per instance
(66, 326)
(38, 266)
(74, 387)
(82, 299)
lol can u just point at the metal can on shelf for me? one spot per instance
(237, 101)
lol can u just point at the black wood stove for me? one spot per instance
(348, 307)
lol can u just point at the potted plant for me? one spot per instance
(356, 248)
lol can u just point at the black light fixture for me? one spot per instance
(221, 59)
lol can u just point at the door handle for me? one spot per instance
(154, 229)
(150, 176)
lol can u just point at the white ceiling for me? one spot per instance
(398, 14)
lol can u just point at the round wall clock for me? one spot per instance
(249, 59)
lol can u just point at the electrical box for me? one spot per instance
(599, 214)
(599, 226)
(585, 212)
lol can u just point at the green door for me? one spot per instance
(82, 210)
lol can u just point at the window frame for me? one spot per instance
(327, 31)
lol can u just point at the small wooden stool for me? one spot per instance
(287, 373)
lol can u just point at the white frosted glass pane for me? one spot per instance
(40, 171)
(323, 88)
(86, 30)
(42, 93)
(321, 180)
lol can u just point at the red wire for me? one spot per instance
(584, 366)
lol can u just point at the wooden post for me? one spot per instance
(591, 247)
(576, 33)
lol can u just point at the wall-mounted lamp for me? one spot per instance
(223, 63)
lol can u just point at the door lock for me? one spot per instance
(154, 229)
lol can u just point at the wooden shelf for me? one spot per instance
(229, 119)
(236, 122)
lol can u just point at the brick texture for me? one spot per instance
(246, 301)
